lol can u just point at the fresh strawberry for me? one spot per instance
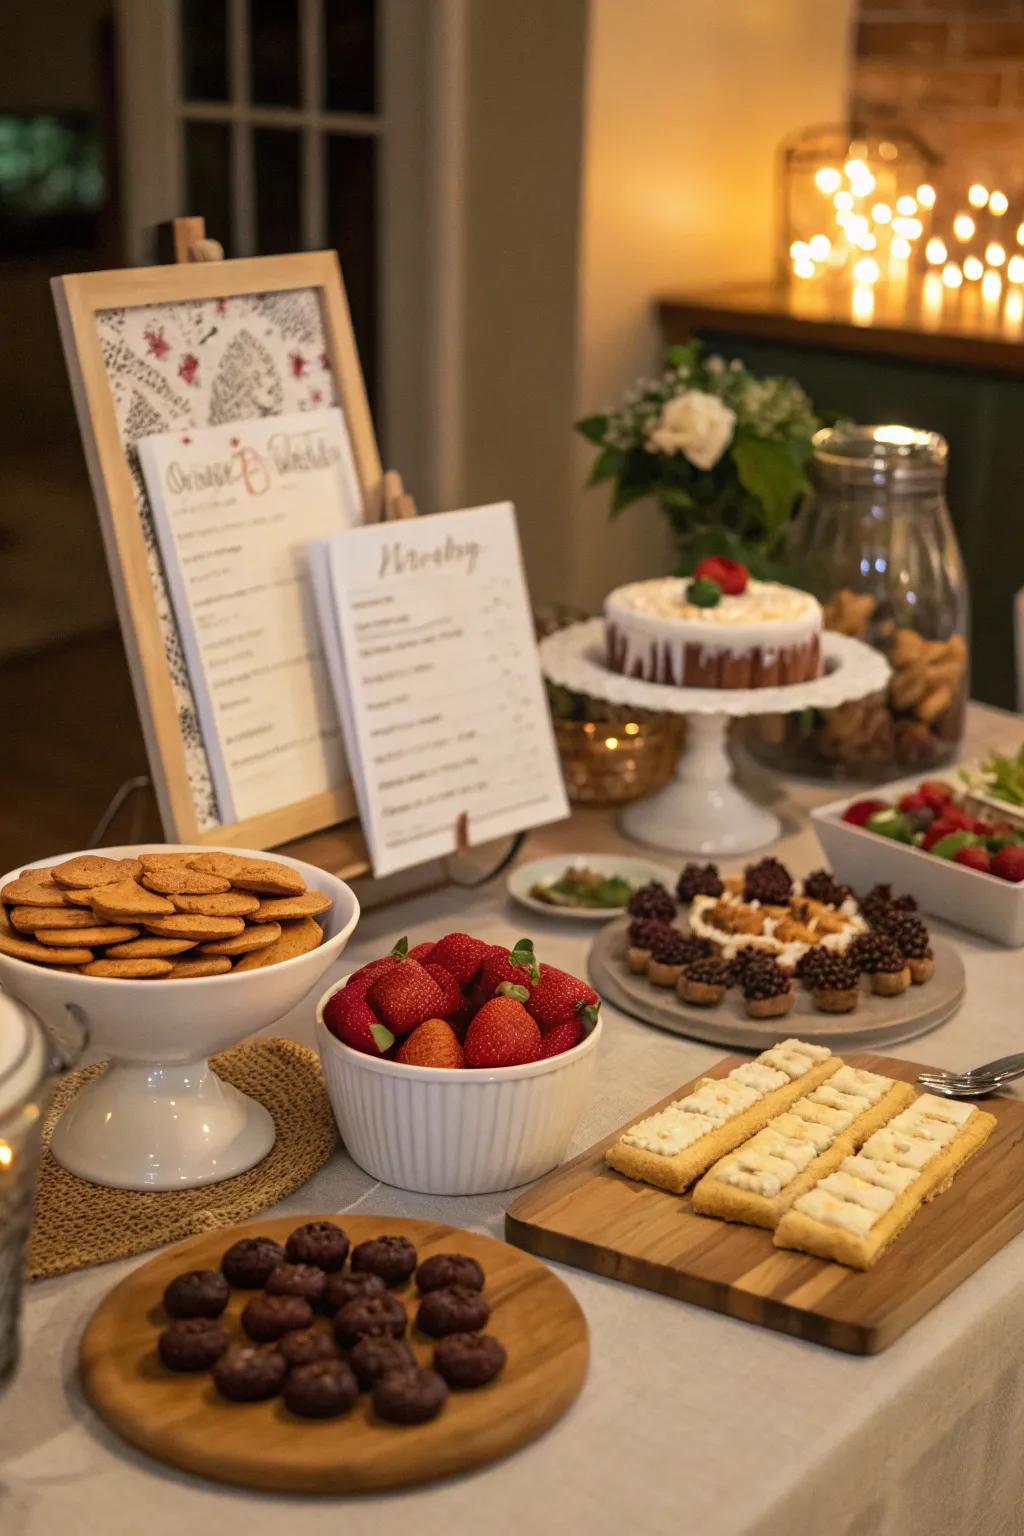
(405, 995)
(562, 1038)
(349, 1016)
(860, 811)
(981, 828)
(941, 827)
(450, 988)
(432, 1044)
(362, 980)
(975, 857)
(936, 793)
(502, 1034)
(559, 998)
(422, 951)
(518, 966)
(731, 576)
(915, 801)
(461, 955)
(1008, 863)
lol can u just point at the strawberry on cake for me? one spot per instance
(717, 629)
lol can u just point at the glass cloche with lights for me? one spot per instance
(874, 541)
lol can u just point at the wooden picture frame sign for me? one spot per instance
(88, 304)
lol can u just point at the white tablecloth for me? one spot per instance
(689, 1421)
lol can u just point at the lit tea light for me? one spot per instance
(963, 226)
(866, 270)
(995, 255)
(843, 201)
(973, 268)
(6, 1154)
(611, 742)
(1015, 269)
(935, 251)
(828, 180)
(803, 266)
(952, 276)
(820, 247)
(910, 229)
(631, 728)
(926, 195)
(901, 248)
(977, 195)
(881, 213)
(1013, 309)
(906, 205)
(932, 294)
(991, 286)
(799, 249)
(862, 303)
(998, 203)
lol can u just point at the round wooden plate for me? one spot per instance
(875, 1022)
(180, 1417)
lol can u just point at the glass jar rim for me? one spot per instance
(869, 454)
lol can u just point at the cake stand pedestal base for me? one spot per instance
(154, 1125)
(701, 809)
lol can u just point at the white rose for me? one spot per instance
(695, 424)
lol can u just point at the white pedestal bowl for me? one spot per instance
(158, 1117)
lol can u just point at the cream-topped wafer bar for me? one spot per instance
(675, 1146)
(853, 1213)
(758, 1182)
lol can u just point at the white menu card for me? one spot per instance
(434, 664)
(235, 508)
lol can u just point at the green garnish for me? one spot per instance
(1007, 774)
(584, 888)
(704, 593)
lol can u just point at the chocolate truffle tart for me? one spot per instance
(252, 1419)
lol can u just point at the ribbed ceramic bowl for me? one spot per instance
(454, 1133)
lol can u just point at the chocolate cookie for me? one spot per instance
(375, 1354)
(393, 1258)
(192, 1344)
(197, 1293)
(456, 1309)
(320, 1243)
(266, 1318)
(247, 1375)
(444, 1269)
(306, 1345)
(320, 1390)
(341, 1289)
(248, 1262)
(409, 1397)
(469, 1359)
(303, 1280)
(381, 1315)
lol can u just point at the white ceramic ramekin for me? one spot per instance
(441, 1132)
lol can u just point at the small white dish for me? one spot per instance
(637, 871)
(442, 1132)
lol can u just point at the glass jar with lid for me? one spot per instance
(875, 543)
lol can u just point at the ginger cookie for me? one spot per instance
(26, 949)
(191, 925)
(206, 965)
(128, 970)
(90, 870)
(263, 876)
(287, 908)
(296, 939)
(149, 949)
(244, 943)
(153, 861)
(175, 878)
(33, 888)
(65, 937)
(126, 898)
(80, 899)
(226, 904)
(34, 919)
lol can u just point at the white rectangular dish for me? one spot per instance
(983, 903)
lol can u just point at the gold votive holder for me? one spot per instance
(613, 760)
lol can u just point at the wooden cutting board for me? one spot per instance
(180, 1418)
(875, 1023)
(589, 1216)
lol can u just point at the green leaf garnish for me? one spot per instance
(705, 593)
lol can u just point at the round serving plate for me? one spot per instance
(636, 871)
(180, 1418)
(876, 1021)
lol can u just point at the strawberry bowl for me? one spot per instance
(444, 1132)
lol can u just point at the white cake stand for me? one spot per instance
(702, 809)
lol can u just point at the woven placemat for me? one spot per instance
(77, 1224)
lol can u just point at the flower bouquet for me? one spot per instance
(723, 452)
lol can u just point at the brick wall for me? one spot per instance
(952, 70)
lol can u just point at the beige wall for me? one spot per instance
(685, 106)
